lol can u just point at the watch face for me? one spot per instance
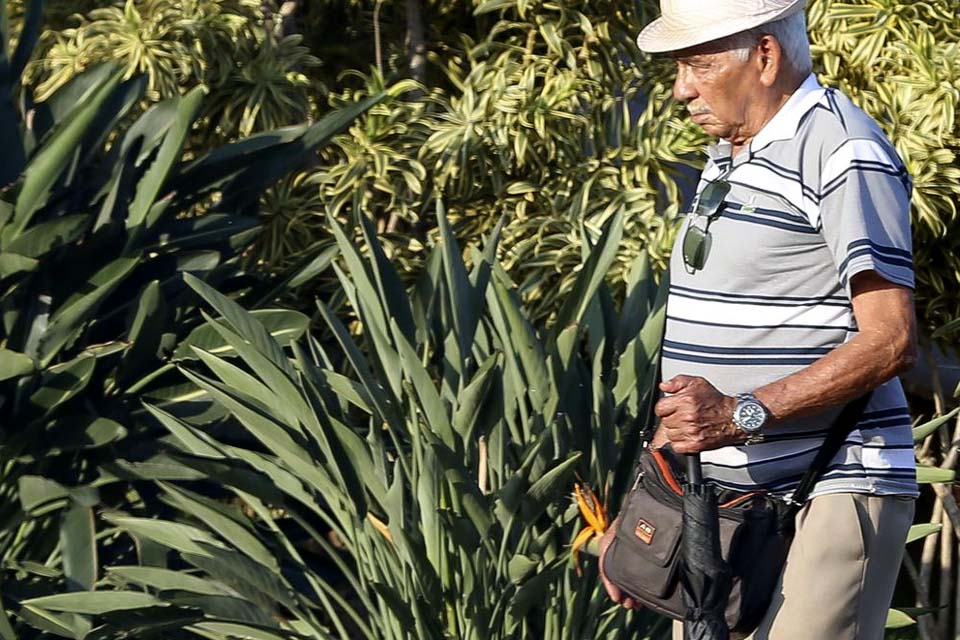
(751, 416)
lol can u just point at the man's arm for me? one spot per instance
(697, 417)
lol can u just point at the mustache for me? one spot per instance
(697, 111)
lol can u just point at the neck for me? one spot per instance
(765, 108)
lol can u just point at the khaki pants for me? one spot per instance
(841, 570)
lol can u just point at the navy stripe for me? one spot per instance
(773, 213)
(835, 108)
(882, 424)
(882, 248)
(783, 226)
(890, 168)
(886, 413)
(753, 187)
(786, 173)
(672, 355)
(765, 303)
(760, 326)
(842, 178)
(869, 251)
(672, 344)
(790, 483)
(799, 300)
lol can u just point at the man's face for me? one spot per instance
(718, 88)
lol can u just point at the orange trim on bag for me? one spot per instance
(667, 472)
(739, 499)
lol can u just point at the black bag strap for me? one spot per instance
(841, 428)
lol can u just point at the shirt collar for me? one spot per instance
(782, 126)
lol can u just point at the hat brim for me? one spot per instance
(664, 36)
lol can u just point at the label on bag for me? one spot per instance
(644, 531)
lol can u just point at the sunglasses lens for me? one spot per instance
(712, 196)
(694, 247)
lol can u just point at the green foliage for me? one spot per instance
(257, 81)
(439, 452)
(898, 61)
(97, 230)
(536, 120)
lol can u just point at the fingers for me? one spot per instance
(676, 384)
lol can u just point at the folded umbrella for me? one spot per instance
(705, 576)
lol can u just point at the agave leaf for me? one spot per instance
(6, 629)
(53, 111)
(150, 184)
(224, 607)
(144, 334)
(94, 602)
(283, 325)
(162, 579)
(78, 547)
(67, 321)
(473, 399)
(923, 530)
(12, 264)
(250, 578)
(72, 432)
(217, 630)
(37, 493)
(53, 157)
(192, 439)
(181, 537)
(531, 592)
(47, 236)
(392, 292)
(210, 230)
(384, 404)
(462, 297)
(553, 484)
(65, 382)
(590, 277)
(897, 619)
(243, 323)
(245, 186)
(361, 278)
(14, 364)
(920, 432)
(433, 408)
(219, 520)
(927, 474)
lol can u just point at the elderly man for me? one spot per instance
(791, 295)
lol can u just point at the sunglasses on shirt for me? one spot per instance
(696, 239)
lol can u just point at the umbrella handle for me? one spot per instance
(694, 470)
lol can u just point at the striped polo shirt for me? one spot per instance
(818, 196)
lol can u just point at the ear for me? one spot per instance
(769, 60)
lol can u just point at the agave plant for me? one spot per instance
(430, 464)
(98, 225)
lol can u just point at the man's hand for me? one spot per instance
(613, 590)
(696, 417)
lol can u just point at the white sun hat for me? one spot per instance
(688, 23)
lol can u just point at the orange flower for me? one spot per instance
(595, 515)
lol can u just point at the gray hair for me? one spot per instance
(790, 32)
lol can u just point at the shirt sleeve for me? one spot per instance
(864, 212)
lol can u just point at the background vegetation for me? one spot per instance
(295, 152)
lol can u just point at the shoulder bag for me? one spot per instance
(755, 533)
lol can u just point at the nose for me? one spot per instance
(683, 88)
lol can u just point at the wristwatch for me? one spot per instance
(749, 416)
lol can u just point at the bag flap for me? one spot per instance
(651, 527)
